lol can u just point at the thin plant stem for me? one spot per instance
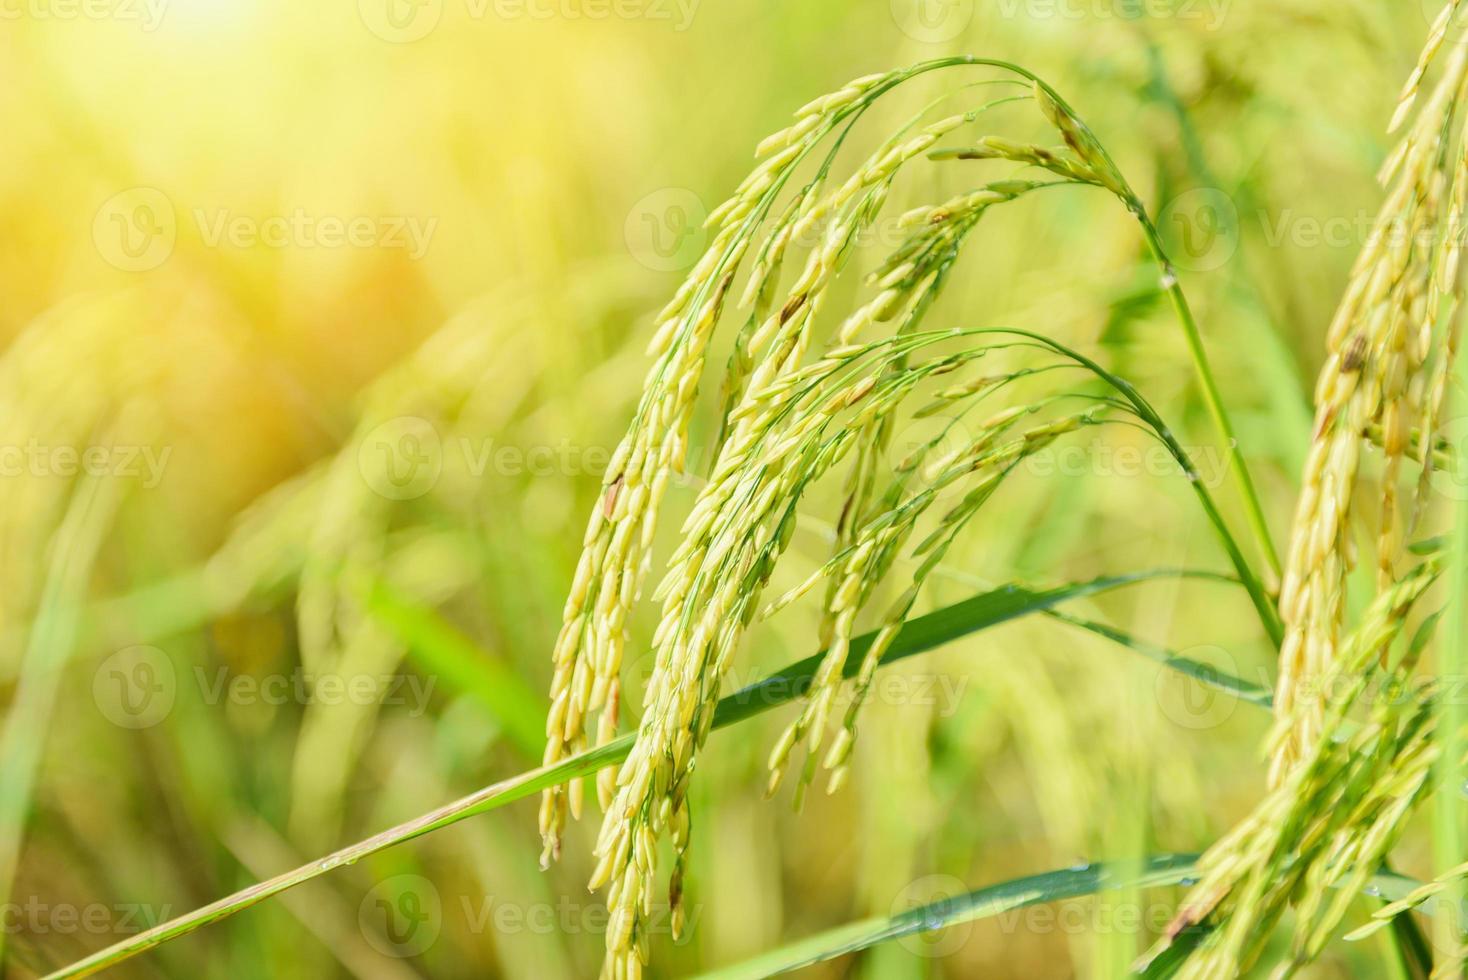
(1263, 604)
(1253, 510)
(1209, 386)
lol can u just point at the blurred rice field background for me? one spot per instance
(319, 324)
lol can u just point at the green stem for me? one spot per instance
(1263, 604)
(1211, 396)
(1253, 511)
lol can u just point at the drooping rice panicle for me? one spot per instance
(1436, 35)
(1444, 300)
(615, 560)
(855, 575)
(796, 405)
(1384, 336)
(615, 557)
(739, 527)
(1318, 836)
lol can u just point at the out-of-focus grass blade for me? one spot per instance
(918, 635)
(1162, 869)
(52, 638)
(447, 654)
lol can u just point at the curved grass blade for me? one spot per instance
(1263, 604)
(1050, 886)
(1162, 869)
(917, 636)
(1246, 691)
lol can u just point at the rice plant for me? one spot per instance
(830, 354)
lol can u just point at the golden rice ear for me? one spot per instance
(797, 404)
(1435, 37)
(1316, 841)
(1389, 347)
